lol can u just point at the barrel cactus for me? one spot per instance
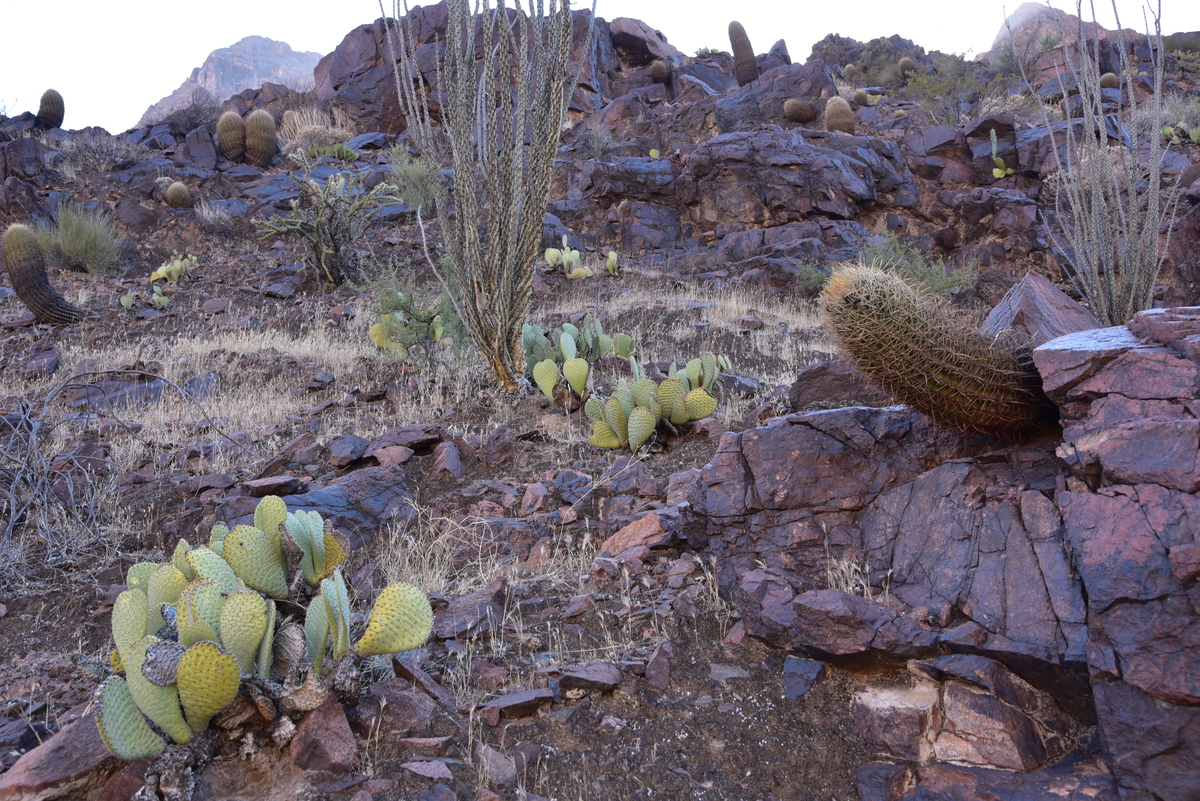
(231, 136)
(193, 633)
(50, 111)
(839, 116)
(744, 66)
(261, 143)
(1109, 80)
(798, 110)
(861, 97)
(906, 66)
(178, 196)
(922, 353)
(27, 271)
(659, 71)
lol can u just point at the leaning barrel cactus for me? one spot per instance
(27, 271)
(50, 111)
(190, 634)
(744, 66)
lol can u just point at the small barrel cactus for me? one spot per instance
(852, 72)
(744, 65)
(1109, 81)
(798, 110)
(178, 196)
(50, 111)
(27, 271)
(231, 136)
(907, 65)
(261, 144)
(659, 71)
(838, 116)
(861, 97)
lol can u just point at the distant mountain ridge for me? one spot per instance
(244, 65)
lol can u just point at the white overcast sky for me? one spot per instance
(112, 60)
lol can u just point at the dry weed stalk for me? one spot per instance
(500, 131)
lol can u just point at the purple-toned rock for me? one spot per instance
(324, 740)
(658, 667)
(361, 502)
(346, 449)
(799, 675)
(392, 707)
(518, 705)
(599, 677)
(1037, 311)
(470, 615)
(201, 150)
(899, 722)
(638, 44)
(825, 381)
(883, 781)
(447, 460)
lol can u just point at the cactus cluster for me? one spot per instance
(839, 116)
(175, 267)
(573, 348)
(193, 631)
(27, 271)
(798, 110)
(745, 68)
(50, 111)
(923, 354)
(635, 410)
(568, 259)
(999, 168)
(1180, 133)
(338, 151)
(178, 195)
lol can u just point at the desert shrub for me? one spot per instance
(951, 91)
(1177, 109)
(1027, 109)
(411, 317)
(95, 152)
(1186, 42)
(309, 127)
(329, 217)
(82, 238)
(598, 139)
(906, 260)
(202, 109)
(705, 52)
(214, 219)
(413, 185)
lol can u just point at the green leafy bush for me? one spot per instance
(83, 238)
(906, 260)
(413, 185)
(953, 89)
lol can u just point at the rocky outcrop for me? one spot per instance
(246, 64)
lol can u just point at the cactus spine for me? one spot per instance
(838, 116)
(798, 110)
(50, 111)
(918, 351)
(744, 66)
(27, 271)
(231, 136)
(261, 144)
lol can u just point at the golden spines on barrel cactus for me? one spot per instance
(251, 556)
(861, 97)
(160, 704)
(207, 679)
(27, 272)
(839, 116)
(51, 111)
(603, 436)
(798, 110)
(1110, 80)
(906, 66)
(576, 372)
(699, 404)
(122, 727)
(231, 136)
(922, 353)
(641, 424)
(261, 144)
(744, 66)
(545, 375)
(400, 621)
(179, 196)
(243, 624)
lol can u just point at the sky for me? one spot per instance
(112, 60)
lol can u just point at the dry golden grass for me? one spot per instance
(314, 127)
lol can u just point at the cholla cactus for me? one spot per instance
(188, 632)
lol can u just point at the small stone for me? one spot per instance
(579, 605)
(272, 485)
(799, 676)
(522, 704)
(324, 740)
(281, 291)
(345, 450)
(438, 792)
(723, 673)
(430, 770)
(658, 668)
(446, 459)
(598, 677)
(216, 306)
(498, 768)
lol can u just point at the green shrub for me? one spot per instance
(82, 238)
(953, 89)
(413, 186)
(411, 317)
(906, 260)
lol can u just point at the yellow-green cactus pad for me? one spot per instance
(545, 375)
(121, 725)
(594, 409)
(208, 680)
(306, 530)
(624, 345)
(262, 662)
(626, 398)
(699, 404)
(198, 612)
(269, 515)
(288, 653)
(335, 551)
(254, 560)
(216, 540)
(693, 371)
(208, 564)
(603, 436)
(671, 396)
(642, 390)
(708, 363)
(337, 608)
(243, 624)
(165, 585)
(576, 372)
(160, 704)
(316, 631)
(138, 576)
(180, 560)
(401, 620)
(129, 617)
(614, 415)
(641, 425)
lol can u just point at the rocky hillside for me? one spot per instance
(247, 64)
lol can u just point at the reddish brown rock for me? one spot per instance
(346, 449)
(392, 707)
(72, 762)
(822, 381)
(637, 43)
(899, 721)
(1037, 311)
(122, 785)
(658, 666)
(447, 460)
(272, 485)
(324, 740)
(646, 531)
(472, 614)
(519, 705)
(575, 682)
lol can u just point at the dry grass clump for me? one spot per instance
(214, 219)
(1027, 110)
(310, 126)
(83, 238)
(93, 153)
